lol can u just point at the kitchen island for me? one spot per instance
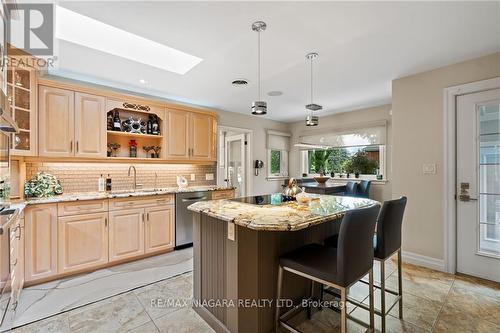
(237, 244)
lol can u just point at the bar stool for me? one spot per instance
(387, 241)
(338, 267)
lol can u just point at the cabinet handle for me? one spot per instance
(147, 216)
(71, 146)
(77, 147)
(105, 222)
(142, 217)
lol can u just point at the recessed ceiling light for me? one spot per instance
(83, 30)
(239, 82)
(142, 81)
(275, 93)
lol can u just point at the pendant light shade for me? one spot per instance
(311, 119)
(259, 107)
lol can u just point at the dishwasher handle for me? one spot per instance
(193, 199)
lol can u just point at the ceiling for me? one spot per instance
(362, 47)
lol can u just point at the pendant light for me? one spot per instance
(259, 107)
(311, 119)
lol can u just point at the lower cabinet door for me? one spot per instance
(126, 234)
(160, 232)
(82, 241)
(40, 241)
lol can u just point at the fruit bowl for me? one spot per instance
(321, 179)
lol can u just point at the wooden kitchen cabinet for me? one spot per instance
(177, 135)
(160, 228)
(71, 124)
(56, 122)
(190, 136)
(126, 233)
(82, 241)
(90, 125)
(21, 96)
(40, 241)
(202, 135)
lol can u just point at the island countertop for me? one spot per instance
(287, 216)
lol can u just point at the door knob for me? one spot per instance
(464, 193)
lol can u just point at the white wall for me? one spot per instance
(417, 105)
(379, 191)
(258, 125)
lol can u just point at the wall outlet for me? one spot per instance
(429, 169)
(193, 176)
(209, 176)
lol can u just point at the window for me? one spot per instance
(367, 161)
(278, 144)
(359, 150)
(278, 163)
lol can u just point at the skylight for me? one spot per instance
(83, 30)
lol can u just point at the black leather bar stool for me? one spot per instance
(387, 242)
(351, 188)
(338, 267)
(363, 189)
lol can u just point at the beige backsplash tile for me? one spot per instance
(83, 177)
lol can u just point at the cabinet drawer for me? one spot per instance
(137, 202)
(82, 207)
(227, 194)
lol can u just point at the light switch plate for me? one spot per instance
(209, 176)
(193, 176)
(230, 231)
(429, 169)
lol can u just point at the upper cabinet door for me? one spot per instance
(56, 122)
(202, 135)
(177, 136)
(90, 118)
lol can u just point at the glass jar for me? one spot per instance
(133, 148)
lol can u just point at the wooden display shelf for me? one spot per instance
(135, 135)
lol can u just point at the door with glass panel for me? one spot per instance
(235, 163)
(478, 184)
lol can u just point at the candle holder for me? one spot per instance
(147, 149)
(112, 148)
(157, 149)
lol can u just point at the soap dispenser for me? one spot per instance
(101, 184)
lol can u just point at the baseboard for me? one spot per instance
(420, 260)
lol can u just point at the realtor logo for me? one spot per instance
(30, 29)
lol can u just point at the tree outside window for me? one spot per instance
(275, 162)
(362, 160)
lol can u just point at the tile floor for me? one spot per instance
(51, 298)
(433, 302)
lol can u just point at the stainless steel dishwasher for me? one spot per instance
(184, 217)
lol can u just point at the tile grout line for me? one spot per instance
(444, 303)
(147, 313)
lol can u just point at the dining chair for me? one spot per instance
(363, 189)
(351, 188)
(338, 267)
(387, 241)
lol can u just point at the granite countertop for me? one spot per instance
(119, 194)
(287, 216)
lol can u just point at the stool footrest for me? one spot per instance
(363, 305)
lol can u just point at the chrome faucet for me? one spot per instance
(135, 175)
